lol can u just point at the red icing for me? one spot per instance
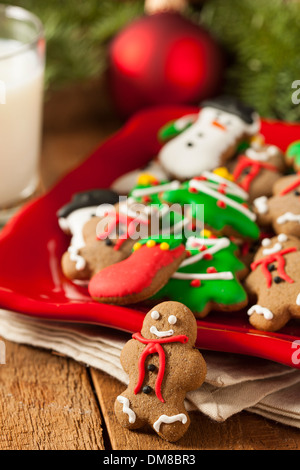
(279, 257)
(208, 256)
(255, 167)
(291, 187)
(195, 283)
(134, 274)
(211, 270)
(154, 346)
(221, 204)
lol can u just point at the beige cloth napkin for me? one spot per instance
(233, 382)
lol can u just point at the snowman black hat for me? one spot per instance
(232, 105)
(93, 197)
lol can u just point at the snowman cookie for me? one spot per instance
(210, 140)
(163, 365)
(282, 210)
(274, 283)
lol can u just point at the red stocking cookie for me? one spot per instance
(141, 275)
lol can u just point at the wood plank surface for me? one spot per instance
(46, 403)
(243, 431)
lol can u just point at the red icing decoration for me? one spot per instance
(134, 274)
(193, 190)
(211, 270)
(208, 256)
(221, 204)
(200, 178)
(195, 283)
(154, 346)
(290, 187)
(264, 262)
(255, 167)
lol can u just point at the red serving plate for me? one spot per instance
(31, 246)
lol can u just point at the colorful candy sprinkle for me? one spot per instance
(164, 246)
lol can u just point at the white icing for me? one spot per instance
(172, 319)
(169, 420)
(76, 258)
(202, 187)
(155, 189)
(266, 242)
(298, 300)
(262, 154)
(275, 248)
(224, 276)
(231, 188)
(160, 334)
(288, 217)
(261, 311)
(126, 408)
(282, 237)
(218, 244)
(261, 204)
(155, 315)
(208, 143)
(74, 223)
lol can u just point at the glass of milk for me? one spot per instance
(22, 58)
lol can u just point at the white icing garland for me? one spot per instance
(224, 276)
(231, 188)
(202, 187)
(218, 244)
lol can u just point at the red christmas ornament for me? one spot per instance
(164, 59)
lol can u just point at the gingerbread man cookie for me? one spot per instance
(257, 170)
(211, 140)
(282, 210)
(163, 365)
(274, 283)
(87, 254)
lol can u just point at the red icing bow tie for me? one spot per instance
(154, 346)
(245, 162)
(264, 262)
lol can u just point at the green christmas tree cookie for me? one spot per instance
(209, 279)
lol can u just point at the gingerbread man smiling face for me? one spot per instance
(163, 366)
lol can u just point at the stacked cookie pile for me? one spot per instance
(212, 222)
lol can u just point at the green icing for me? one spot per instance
(170, 130)
(293, 152)
(224, 292)
(214, 216)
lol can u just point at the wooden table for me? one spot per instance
(51, 402)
